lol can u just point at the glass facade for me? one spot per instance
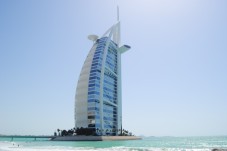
(108, 121)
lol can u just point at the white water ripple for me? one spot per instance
(12, 146)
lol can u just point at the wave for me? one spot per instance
(12, 146)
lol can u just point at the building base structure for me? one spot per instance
(95, 138)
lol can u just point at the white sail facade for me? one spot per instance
(98, 103)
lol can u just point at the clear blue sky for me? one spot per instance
(174, 78)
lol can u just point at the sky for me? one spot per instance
(174, 78)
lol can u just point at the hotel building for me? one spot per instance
(98, 100)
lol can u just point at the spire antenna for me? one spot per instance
(117, 13)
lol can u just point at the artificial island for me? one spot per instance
(98, 99)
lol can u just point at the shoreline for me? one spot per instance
(95, 138)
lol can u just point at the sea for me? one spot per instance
(146, 144)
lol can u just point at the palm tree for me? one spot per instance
(58, 132)
(64, 133)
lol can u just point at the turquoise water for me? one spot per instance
(147, 144)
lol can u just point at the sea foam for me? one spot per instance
(12, 146)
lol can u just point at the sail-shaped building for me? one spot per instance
(98, 100)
